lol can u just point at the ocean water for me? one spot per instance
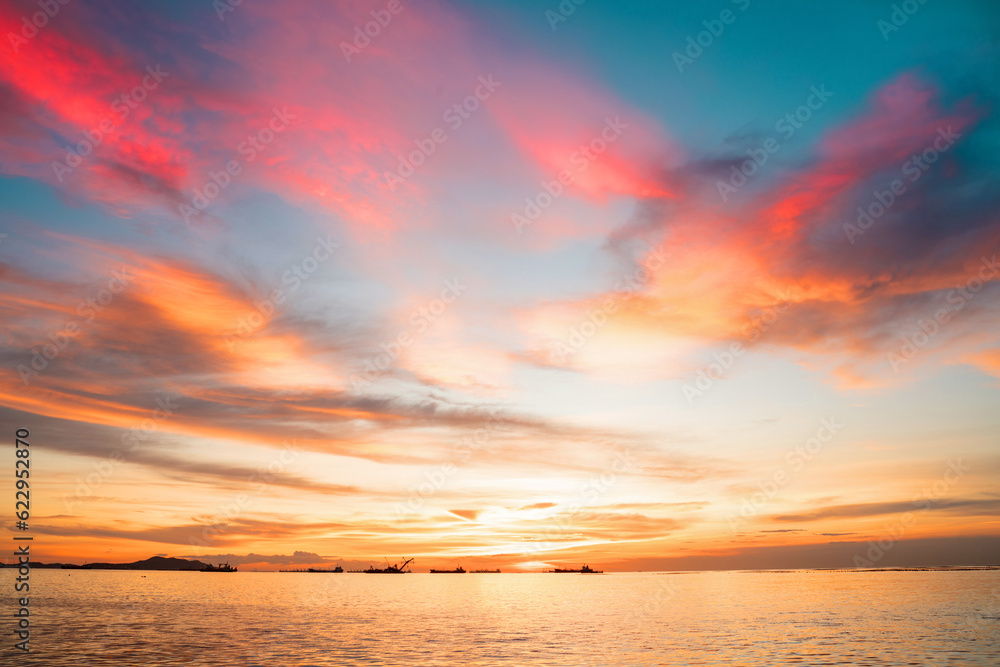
(96, 618)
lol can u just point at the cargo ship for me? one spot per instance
(457, 570)
(583, 570)
(390, 569)
(336, 569)
(225, 567)
(486, 572)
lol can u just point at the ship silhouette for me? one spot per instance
(390, 569)
(225, 567)
(583, 570)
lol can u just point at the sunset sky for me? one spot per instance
(645, 285)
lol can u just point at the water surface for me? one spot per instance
(97, 618)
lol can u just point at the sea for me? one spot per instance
(268, 619)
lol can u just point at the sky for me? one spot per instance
(646, 285)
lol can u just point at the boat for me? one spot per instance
(486, 572)
(336, 569)
(457, 570)
(583, 570)
(390, 569)
(225, 567)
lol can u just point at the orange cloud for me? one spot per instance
(785, 252)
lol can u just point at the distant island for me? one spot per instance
(154, 563)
